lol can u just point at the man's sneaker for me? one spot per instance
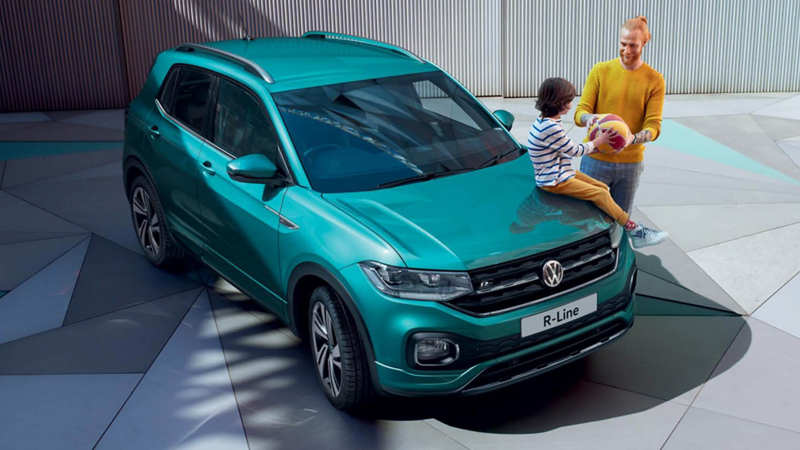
(645, 237)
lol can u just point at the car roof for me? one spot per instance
(301, 62)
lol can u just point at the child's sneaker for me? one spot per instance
(645, 237)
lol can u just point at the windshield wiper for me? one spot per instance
(494, 159)
(423, 177)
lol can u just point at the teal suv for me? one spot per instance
(375, 206)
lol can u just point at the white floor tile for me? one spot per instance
(782, 310)
(757, 378)
(751, 269)
(701, 430)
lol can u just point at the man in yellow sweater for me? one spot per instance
(634, 91)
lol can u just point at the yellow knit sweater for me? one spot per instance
(637, 96)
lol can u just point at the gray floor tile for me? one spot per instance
(713, 104)
(751, 269)
(65, 412)
(283, 405)
(720, 223)
(21, 260)
(2, 171)
(62, 115)
(778, 128)
(701, 430)
(576, 415)
(668, 176)
(62, 131)
(125, 341)
(670, 263)
(792, 151)
(20, 171)
(40, 303)
(787, 109)
(185, 400)
(653, 286)
(31, 219)
(782, 310)
(113, 278)
(109, 118)
(651, 306)
(757, 378)
(6, 127)
(112, 169)
(650, 194)
(24, 117)
(658, 155)
(97, 204)
(665, 357)
(744, 135)
(7, 237)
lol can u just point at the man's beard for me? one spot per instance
(633, 58)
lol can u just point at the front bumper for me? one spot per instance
(501, 357)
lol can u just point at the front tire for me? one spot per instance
(157, 243)
(338, 352)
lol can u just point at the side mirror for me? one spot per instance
(505, 117)
(255, 168)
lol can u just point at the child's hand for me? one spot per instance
(604, 137)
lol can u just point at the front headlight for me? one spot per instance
(417, 284)
(616, 235)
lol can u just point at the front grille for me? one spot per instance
(510, 285)
(532, 363)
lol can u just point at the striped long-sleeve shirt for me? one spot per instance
(551, 152)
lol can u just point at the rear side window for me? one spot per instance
(191, 94)
(240, 125)
(168, 90)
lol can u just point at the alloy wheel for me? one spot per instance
(326, 349)
(148, 228)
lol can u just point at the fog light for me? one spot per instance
(435, 352)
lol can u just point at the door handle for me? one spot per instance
(154, 133)
(207, 168)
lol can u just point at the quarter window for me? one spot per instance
(191, 95)
(168, 91)
(240, 124)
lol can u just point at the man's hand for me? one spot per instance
(640, 138)
(589, 119)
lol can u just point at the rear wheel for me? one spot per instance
(151, 229)
(338, 352)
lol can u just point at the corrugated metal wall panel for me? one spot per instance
(69, 54)
(60, 54)
(700, 46)
(463, 37)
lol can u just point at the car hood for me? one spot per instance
(474, 219)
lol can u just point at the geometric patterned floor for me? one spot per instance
(98, 349)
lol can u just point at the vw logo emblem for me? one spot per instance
(552, 273)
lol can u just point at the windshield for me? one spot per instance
(362, 135)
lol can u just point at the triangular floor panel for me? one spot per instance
(111, 118)
(63, 131)
(21, 171)
(186, 397)
(114, 278)
(656, 287)
(40, 303)
(722, 223)
(28, 218)
(13, 237)
(125, 341)
(778, 128)
(649, 306)
(65, 412)
(20, 261)
(753, 268)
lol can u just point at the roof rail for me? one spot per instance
(250, 66)
(361, 40)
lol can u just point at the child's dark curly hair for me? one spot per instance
(554, 95)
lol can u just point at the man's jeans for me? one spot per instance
(621, 178)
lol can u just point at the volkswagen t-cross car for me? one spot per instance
(377, 208)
